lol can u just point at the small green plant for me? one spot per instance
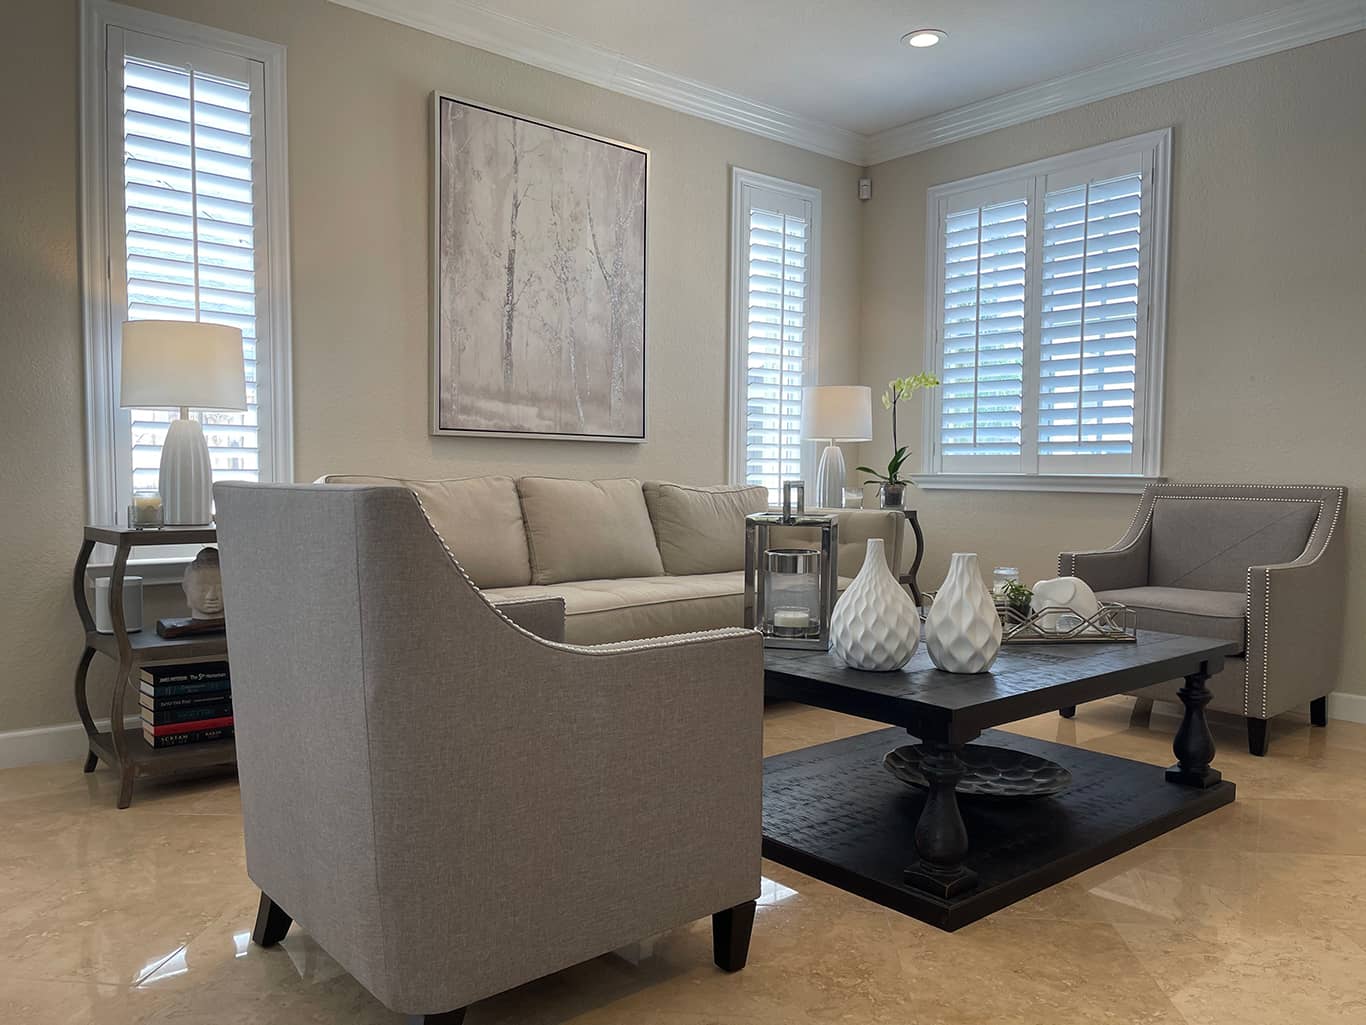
(897, 389)
(1017, 596)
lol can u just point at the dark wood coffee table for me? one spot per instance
(833, 812)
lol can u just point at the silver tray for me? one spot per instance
(1113, 623)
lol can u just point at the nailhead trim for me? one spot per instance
(609, 648)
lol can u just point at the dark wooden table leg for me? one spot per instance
(941, 839)
(919, 555)
(1194, 745)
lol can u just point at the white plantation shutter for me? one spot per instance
(189, 234)
(1088, 343)
(774, 267)
(1045, 333)
(983, 335)
(185, 219)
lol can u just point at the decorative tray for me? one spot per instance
(992, 772)
(1113, 623)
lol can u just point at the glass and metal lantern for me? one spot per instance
(790, 592)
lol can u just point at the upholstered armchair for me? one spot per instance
(452, 804)
(1260, 565)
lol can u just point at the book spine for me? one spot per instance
(189, 737)
(199, 713)
(160, 702)
(166, 690)
(194, 725)
(196, 673)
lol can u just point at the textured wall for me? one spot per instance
(1266, 326)
(359, 124)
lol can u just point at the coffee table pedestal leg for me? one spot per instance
(941, 839)
(1194, 745)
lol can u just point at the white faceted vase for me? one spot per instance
(963, 628)
(875, 625)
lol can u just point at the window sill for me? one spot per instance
(154, 572)
(1116, 484)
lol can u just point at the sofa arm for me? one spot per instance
(1107, 570)
(1294, 625)
(542, 616)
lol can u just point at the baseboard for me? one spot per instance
(1347, 707)
(42, 744)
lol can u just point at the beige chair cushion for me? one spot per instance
(1182, 610)
(587, 530)
(599, 611)
(702, 529)
(480, 519)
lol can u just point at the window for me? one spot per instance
(1047, 286)
(775, 230)
(183, 170)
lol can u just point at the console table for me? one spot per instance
(908, 579)
(124, 749)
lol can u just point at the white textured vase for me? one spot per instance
(875, 625)
(963, 628)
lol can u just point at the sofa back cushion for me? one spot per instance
(587, 530)
(480, 518)
(1209, 543)
(702, 529)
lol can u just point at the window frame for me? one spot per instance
(1153, 150)
(106, 422)
(740, 180)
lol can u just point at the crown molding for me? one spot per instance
(1248, 38)
(466, 22)
(540, 47)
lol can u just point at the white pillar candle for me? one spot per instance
(794, 619)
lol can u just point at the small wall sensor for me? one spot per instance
(865, 188)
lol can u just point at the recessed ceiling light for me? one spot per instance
(923, 37)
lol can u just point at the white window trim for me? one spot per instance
(1158, 146)
(739, 334)
(100, 321)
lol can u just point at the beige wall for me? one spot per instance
(359, 91)
(1266, 326)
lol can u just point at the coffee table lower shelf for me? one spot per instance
(834, 813)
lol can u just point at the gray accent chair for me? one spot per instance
(451, 804)
(1262, 565)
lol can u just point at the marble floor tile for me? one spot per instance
(1253, 914)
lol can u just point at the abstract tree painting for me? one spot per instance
(540, 279)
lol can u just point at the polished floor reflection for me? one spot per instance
(1254, 914)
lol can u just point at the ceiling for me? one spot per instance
(842, 61)
(833, 75)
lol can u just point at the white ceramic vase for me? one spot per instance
(875, 625)
(963, 628)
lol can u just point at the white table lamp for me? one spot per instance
(172, 364)
(835, 413)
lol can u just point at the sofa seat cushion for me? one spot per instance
(479, 518)
(599, 611)
(1183, 610)
(702, 529)
(587, 530)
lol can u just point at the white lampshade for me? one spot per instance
(173, 363)
(838, 413)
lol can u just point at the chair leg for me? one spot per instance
(1069, 712)
(730, 931)
(1318, 711)
(1257, 740)
(271, 923)
(1141, 717)
(448, 1018)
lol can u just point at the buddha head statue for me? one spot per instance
(203, 585)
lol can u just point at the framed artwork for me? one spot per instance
(538, 326)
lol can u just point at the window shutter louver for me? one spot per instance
(1088, 346)
(775, 237)
(190, 236)
(983, 333)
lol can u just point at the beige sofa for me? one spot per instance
(630, 560)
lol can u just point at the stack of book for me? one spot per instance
(185, 704)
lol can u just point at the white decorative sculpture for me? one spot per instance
(1063, 593)
(876, 624)
(203, 586)
(963, 628)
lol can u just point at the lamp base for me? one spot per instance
(186, 481)
(830, 478)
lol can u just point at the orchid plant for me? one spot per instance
(898, 389)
